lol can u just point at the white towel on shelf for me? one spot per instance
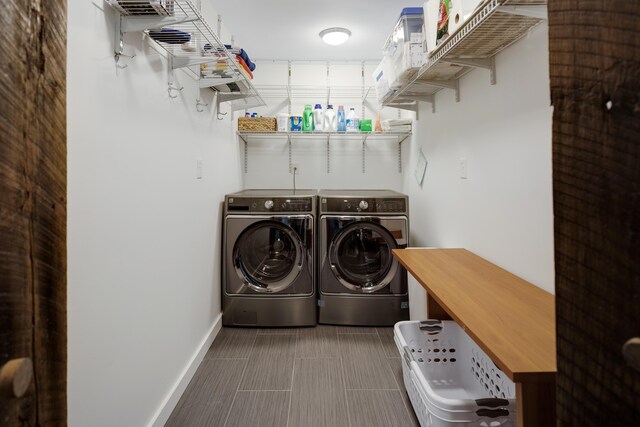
(395, 122)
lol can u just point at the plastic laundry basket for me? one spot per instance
(449, 379)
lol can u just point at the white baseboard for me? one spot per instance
(168, 405)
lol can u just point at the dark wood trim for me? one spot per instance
(594, 59)
(33, 159)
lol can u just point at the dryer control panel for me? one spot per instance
(363, 205)
(269, 204)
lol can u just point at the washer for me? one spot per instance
(268, 266)
(360, 282)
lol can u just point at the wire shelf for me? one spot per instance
(370, 136)
(178, 27)
(494, 26)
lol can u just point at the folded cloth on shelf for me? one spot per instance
(245, 67)
(404, 128)
(233, 49)
(242, 53)
(396, 125)
(170, 36)
(394, 122)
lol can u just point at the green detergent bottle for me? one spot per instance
(307, 119)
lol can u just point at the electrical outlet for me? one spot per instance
(295, 168)
(463, 168)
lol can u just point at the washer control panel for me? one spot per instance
(363, 205)
(269, 204)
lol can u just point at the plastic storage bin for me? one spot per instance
(381, 80)
(410, 22)
(450, 381)
(403, 50)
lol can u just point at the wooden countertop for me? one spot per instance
(512, 320)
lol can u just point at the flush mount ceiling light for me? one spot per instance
(335, 36)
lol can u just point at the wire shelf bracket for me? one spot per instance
(486, 63)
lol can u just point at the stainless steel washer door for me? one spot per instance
(268, 256)
(360, 256)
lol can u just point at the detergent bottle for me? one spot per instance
(353, 122)
(318, 118)
(330, 123)
(342, 123)
(307, 119)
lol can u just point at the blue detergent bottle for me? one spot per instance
(342, 122)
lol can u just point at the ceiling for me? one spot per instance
(288, 29)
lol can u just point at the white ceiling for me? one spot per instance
(288, 29)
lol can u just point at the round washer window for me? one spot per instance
(361, 258)
(268, 256)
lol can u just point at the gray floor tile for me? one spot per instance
(232, 343)
(208, 397)
(321, 341)
(396, 367)
(278, 331)
(373, 408)
(356, 329)
(388, 343)
(259, 409)
(270, 365)
(364, 364)
(318, 397)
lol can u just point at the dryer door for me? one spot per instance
(269, 255)
(360, 255)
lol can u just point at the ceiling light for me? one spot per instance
(335, 36)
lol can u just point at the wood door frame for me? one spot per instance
(33, 206)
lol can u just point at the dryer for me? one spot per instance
(268, 265)
(360, 282)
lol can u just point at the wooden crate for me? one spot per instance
(257, 124)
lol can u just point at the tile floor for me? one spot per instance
(329, 376)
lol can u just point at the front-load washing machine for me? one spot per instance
(360, 282)
(268, 265)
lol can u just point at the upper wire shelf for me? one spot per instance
(495, 25)
(179, 28)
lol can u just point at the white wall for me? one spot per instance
(503, 211)
(143, 232)
(268, 159)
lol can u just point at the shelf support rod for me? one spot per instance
(328, 85)
(289, 86)
(246, 155)
(290, 162)
(329, 154)
(532, 11)
(362, 94)
(364, 141)
(486, 63)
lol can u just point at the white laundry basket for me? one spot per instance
(450, 380)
